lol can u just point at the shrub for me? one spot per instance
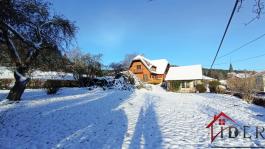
(52, 90)
(200, 88)
(51, 87)
(36, 83)
(213, 86)
(6, 83)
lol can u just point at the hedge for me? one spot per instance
(36, 83)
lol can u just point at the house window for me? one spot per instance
(185, 84)
(138, 67)
(153, 68)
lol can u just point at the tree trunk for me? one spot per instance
(18, 89)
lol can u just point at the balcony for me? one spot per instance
(155, 81)
(137, 71)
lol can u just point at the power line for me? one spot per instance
(244, 45)
(227, 26)
(246, 59)
(242, 60)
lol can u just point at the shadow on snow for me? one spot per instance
(92, 121)
(147, 133)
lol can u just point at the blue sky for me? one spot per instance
(185, 32)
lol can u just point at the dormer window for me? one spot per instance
(153, 68)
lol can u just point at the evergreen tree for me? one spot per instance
(231, 68)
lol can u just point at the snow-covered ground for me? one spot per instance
(79, 118)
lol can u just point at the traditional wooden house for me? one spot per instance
(150, 71)
(184, 78)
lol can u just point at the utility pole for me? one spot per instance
(227, 26)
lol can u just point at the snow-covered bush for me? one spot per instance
(221, 89)
(120, 82)
(134, 80)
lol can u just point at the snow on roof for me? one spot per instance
(260, 73)
(207, 78)
(52, 75)
(7, 73)
(193, 72)
(161, 64)
(240, 75)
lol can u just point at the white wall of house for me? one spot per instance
(186, 86)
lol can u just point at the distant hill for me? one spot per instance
(221, 73)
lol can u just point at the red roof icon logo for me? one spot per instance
(220, 119)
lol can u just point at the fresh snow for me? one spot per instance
(82, 118)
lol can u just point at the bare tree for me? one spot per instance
(117, 67)
(128, 59)
(78, 67)
(93, 64)
(28, 25)
(257, 9)
(243, 86)
(85, 64)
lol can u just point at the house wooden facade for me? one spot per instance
(179, 79)
(149, 71)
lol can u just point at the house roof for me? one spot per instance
(193, 72)
(161, 64)
(7, 73)
(207, 78)
(240, 75)
(260, 73)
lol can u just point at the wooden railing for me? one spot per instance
(137, 71)
(155, 80)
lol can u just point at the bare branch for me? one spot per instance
(239, 5)
(258, 8)
(22, 38)
(13, 50)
